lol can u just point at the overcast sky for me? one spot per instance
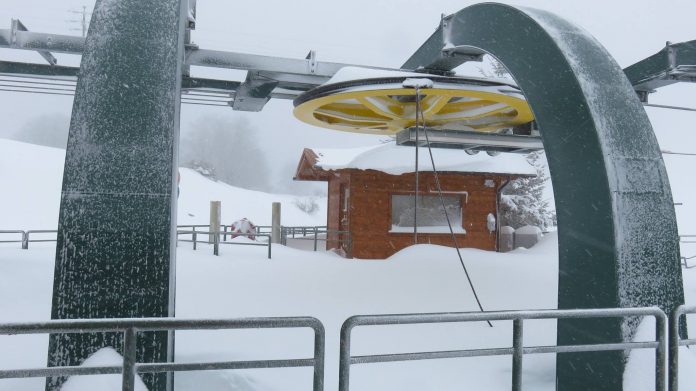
(373, 32)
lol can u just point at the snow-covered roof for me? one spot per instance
(396, 160)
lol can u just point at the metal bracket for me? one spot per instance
(471, 141)
(191, 16)
(19, 26)
(254, 93)
(311, 61)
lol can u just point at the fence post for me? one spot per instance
(269, 248)
(195, 238)
(224, 236)
(129, 347)
(315, 237)
(275, 223)
(215, 217)
(25, 240)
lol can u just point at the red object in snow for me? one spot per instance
(243, 226)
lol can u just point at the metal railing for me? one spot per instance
(312, 233)
(518, 350)
(25, 236)
(217, 242)
(675, 341)
(131, 327)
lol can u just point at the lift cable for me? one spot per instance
(442, 201)
(4, 80)
(669, 107)
(69, 92)
(678, 153)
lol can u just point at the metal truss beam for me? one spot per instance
(674, 63)
(442, 54)
(313, 71)
(28, 40)
(20, 68)
(477, 141)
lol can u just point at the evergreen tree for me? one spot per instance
(522, 202)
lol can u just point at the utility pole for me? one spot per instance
(84, 14)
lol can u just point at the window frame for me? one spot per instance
(463, 197)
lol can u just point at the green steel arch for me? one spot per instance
(618, 241)
(116, 240)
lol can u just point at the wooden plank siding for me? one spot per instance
(370, 209)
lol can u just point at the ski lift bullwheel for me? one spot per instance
(384, 106)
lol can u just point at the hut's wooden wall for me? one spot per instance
(370, 209)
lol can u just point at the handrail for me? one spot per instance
(675, 341)
(517, 350)
(132, 326)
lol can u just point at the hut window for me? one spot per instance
(431, 218)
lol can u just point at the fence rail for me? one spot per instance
(312, 233)
(518, 350)
(216, 240)
(131, 327)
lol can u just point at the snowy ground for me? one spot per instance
(241, 282)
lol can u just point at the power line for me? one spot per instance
(83, 22)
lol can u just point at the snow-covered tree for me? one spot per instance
(227, 150)
(523, 203)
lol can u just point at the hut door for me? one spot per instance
(343, 223)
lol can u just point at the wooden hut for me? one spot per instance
(371, 196)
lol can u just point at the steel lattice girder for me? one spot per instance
(618, 241)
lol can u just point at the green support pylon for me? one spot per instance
(617, 232)
(116, 234)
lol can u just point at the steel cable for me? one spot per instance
(442, 200)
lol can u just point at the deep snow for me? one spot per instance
(241, 282)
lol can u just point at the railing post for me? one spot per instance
(315, 237)
(195, 237)
(25, 240)
(674, 350)
(319, 342)
(224, 236)
(129, 347)
(660, 351)
(517, 354)
(344, 358)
